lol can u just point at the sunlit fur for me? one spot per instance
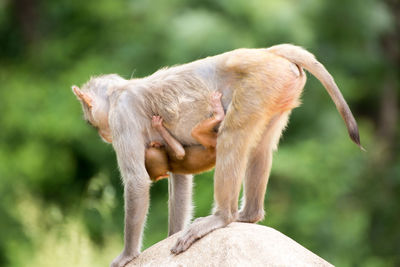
(260, 87)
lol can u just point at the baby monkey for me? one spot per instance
(175, 158)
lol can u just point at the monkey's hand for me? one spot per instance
(123, 259)
(157, 122)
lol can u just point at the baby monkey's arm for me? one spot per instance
(172, 143)
(204, 132)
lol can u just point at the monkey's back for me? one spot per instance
(243, 75)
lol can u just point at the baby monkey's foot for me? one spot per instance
(218, 110)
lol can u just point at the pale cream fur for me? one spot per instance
(260, 87)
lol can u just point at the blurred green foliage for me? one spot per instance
(61, 195)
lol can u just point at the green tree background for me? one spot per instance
(61, 194)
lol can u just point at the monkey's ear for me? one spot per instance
(82, 96)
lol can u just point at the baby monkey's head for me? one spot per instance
(94, 97)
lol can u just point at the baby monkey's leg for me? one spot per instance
(204, 132)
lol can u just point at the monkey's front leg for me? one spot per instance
(136, 193)
(180, 202)
(136, 206)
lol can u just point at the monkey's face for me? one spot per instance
(95, 104)
(100, 122)
(95, 113)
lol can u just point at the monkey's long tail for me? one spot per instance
(305, 59)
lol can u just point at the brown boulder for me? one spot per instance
(238, 244)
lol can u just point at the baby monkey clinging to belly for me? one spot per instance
(175, 158)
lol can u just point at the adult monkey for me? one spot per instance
(260, 87)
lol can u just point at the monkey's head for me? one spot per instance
(94, 97)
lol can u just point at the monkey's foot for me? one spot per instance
(199, 228)
(155, 144)
(123, 259)
(218, 110)
(251, 217)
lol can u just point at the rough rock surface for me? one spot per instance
(238, 244)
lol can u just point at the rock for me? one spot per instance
(238, 244)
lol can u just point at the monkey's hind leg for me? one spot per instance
(234, 143)
(258, 170)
